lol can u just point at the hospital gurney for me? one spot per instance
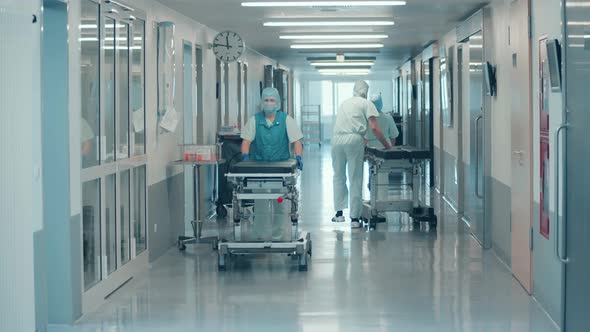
(382, 163)
(264, 212)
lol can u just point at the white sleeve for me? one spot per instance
(249, 130)
(293, 131)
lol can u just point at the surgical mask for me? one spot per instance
(269, 107)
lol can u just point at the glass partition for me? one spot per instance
(89, 84)
(91, 248)
(111, 224)
(123, 90)
(108, 72)
(139, 206)
(125, 216)
(136, 91)
(112, 71)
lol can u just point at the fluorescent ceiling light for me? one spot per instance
(344, 74)
(334, 37)
(579, 36)
(341, 58)
(332, 71)
(341, 64)
(326, 23)
(578, 23)
(322, 3)
(332, 46)
(578, 4)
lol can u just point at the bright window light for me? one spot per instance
(322, 3)
(326, 23)
(341, 64)
(334, 46)
(321, 37)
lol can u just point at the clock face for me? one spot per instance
(228, 46)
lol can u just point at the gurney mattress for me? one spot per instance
(402, 152)
(264, 167)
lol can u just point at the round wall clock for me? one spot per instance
(228, 46)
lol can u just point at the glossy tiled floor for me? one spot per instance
(394, 279)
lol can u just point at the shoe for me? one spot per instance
(338, 219)
(356, 223)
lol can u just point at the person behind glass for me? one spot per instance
(268, 135)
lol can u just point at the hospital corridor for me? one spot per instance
(236, 165)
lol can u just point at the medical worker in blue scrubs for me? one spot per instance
(268, 136)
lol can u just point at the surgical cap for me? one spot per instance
(378, 101)
(271, 93)
(361, 88)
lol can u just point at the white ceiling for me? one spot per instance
(416, 25)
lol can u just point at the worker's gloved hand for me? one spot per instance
(245, 157)
(299, 162)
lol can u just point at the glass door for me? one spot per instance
(113, 174)
(473, 146)
(573, 233)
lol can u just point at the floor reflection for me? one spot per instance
(399, 277)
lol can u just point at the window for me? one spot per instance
(111, 224)
(91, 249)
(139, 206)
(89, 84)
(136, 91)
(123, 90)
(125, 216)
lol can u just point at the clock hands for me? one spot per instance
(227, 46)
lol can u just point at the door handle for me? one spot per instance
(520, 155)
(558, 161)
(477, 143)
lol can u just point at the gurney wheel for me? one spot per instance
(221, 211)
(181, 246)
(303, 262)
(222, 261)
(433, 222)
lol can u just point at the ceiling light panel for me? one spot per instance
(344, 68)
(332, 37)
(323, 3)
(335, 46)
(341, 64)
(350, 70)
(326, 23)
(344, 74)
(347, 58)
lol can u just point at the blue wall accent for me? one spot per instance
(63, 270)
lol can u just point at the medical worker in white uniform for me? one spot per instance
(355, 117)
